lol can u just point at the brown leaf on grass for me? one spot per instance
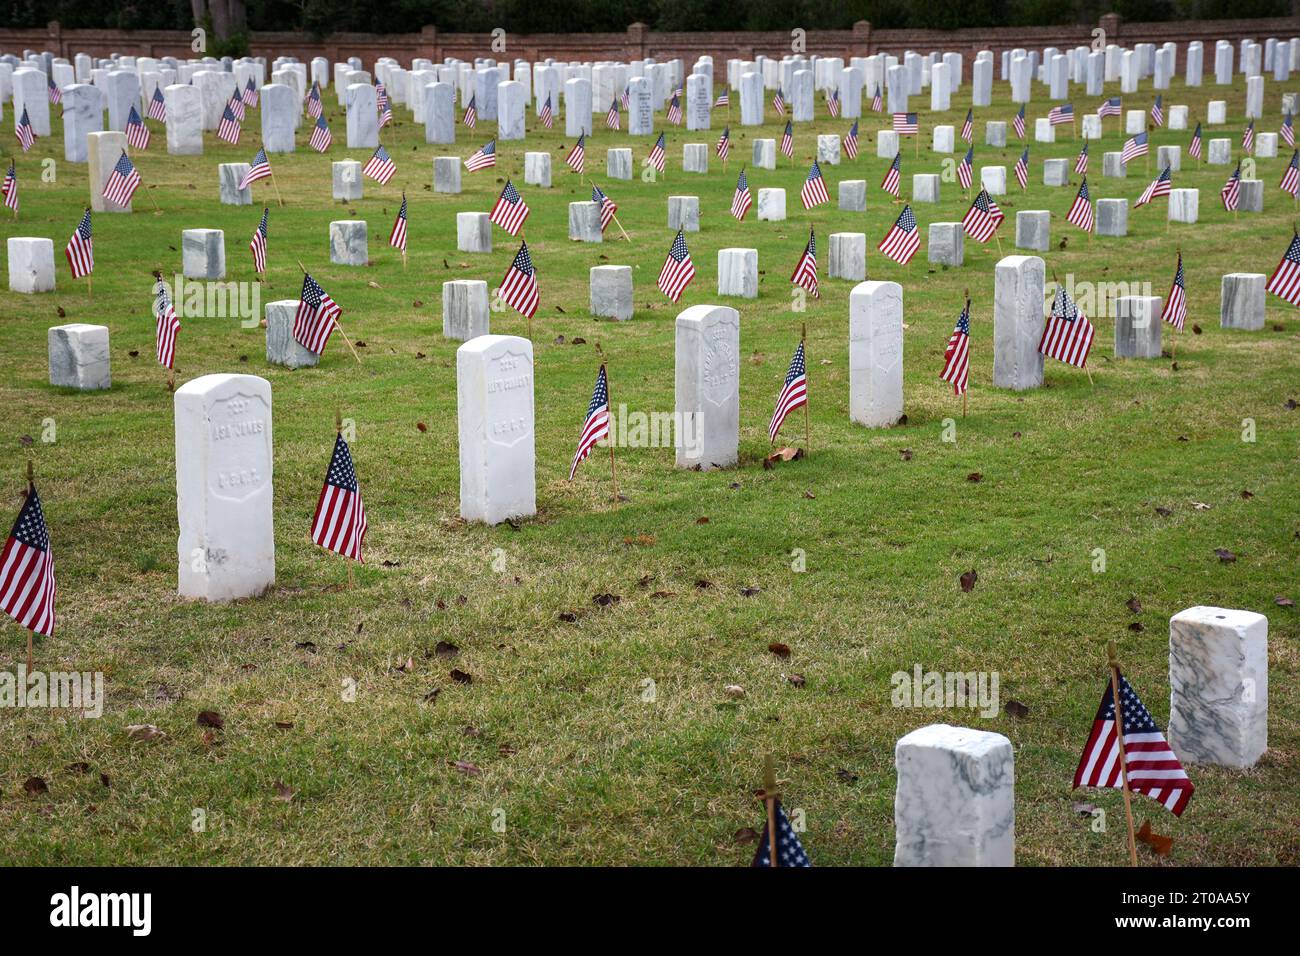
(61, 313)
(704, 584)
(1224, 555)
(103, 779)
(702, 519)
(663, 594)
(1160, 845)
(284, 725)
(79, 767)
(1082, 808)
(1282, 601)
(780, 650)
(26, 441)
(422, 426)
(506, 750)
(846, 776)
(605, 600)
(745, 836)
(1136, 627)
(1163, 512)
(210, 718)
(734, 691)
(35, 786)
(418, 303)
(749, 591)
(432, 696)
(1196, 330)
(284, 792)
(1292, 404)
(467, 768)
(906, 453)
(1134, 605)
(1247, 495)
(469, 730)
(446, 649)
(782, 454)
(975, 476)
(461, 677)
(134, 353)
(968, 581)
(1016, 709)
(796, 680)
(568, 617)
(144, 732)
(809, 495)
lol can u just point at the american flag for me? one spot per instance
(595, 426)
(1018, 123)
(877, 101)
(724, 99)
(258, 243)
(321, 137)
(577, 158)
(1067, 337)
(1291, 178)
(1158, 111)
(380, 166)
(250, 94)
(1231, 189)
(137, 134)
(546, 116)
(956, 357)
(1081, 164)
(313, 102)
(471, 112)
(1288, 130)
(1110, 107)
(789, 851)
(1160, 186)
(9, 188)
(1061, 115)
(313, 323)
(903, 239)
(56, 95)
(1194, 150)
(893, 176)
(966, 168)
(1248, 137)
(968, 127)
(983, 217)
(27, 587)
(384, 105)
(657, 154)
(678, 270)
(259, 168)
(794, 393)
(607, 206)
(675, 111)
(23, 130)
(833, 103)
(81, 249)
(484, 157)
(1285, 280)
(519, 285)
(626, 96)
(778, 103)
(1134, 147)
(741, 200)
(229, 129)
(805, 273)
(1175, 312)
(157, 106)
(905, 124)
(787, 140)
(166, 328)
(510, 210)
(339, 524)
(1080, 213)
(397, 238)
(237, 105)
(724, 143)
(813, 192)
(612, 119)
(122, 182)
(1022, 169)
(851, 141)
(1153, 768)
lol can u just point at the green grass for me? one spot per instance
(584, 769)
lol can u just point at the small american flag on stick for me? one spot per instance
(55, 94)
(546, 116)
(612, 118)
(787, 140)
(1175, 312)
(677, 271)
(397, 238)
(1158, 111)
(893, 176)
(9, 188)
(157, 106)
(675, 111)
(1248, 137)
(794, 393)
(1194, 150)
(1285, 280)
(968, 127)
(510, 210)
(250, 94)
(259, 168)
(313, 101)
(1160, 186)
(851, 141)
(1018, 123)
(1081, 163)
(657, 154)
(137, 134)
(741, 200)
(317, 315)
(167, 326)
(1291, 177)
(1287, 132)
(321, 137)
(1231, 189)
(471, 113)
(27, 589)
(339, 524)
(122, 182)
(607, 207)
(485, 157)
(519, 286)
(903, 239)
(805, 271)
(258, 243)
(595, 426)
(814, 192)
(1134, 147)
(724, 144)
(1022, 169)
(1067, 336)
(1110, 107)
(1080, 213)
(906, 124)
(983, 217)
(23, 130)
(956, 356)
(1062, 115)
(380, 167)
(833, 103)
(778, 102)
(229, 129)
(577, 158)
(81, 249)
(966, 168)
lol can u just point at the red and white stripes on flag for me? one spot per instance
(258, 243)
(956, 356)
(1081, 164)
(577, 158)
(229, 129)
(250, 94)
(9, 187)
(1153, 768)
(893, 176)
(1285, 280)
(519, 285)
(677, 271)
(794, 393)
(1018, 123)
(55, 94)
(317, 314)
(1288, 130)
(1231, 189)
(741, 200)
(137, 134)
(339, 524)
(612, 119)
(1022, 169)
(167, 326)
(906, 124)
(903, 239)
(675, 111)
(510, 210)
(1291, 178)
(81, 249)
(966, 168)
(1080, 213)
(1067, 336)
(546, 116)
(595, 426)
(1248, 137)
(1194, 150)
(1175, 312)
(607, 207)
(23, 130)
(27, 589)
(724, 144)
(814, 192)
(321, 137)
(1134, 147)
(122, 182)
(787, 140)
(658, 153)
(968, 127)
(805, 272)
(471, 112)
(313, 101)
(983, 217)
(1160, 186)
(397, 238)
(259, 168)
(380, 167)
(485, 157)
(851, 141)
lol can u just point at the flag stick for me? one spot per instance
(171, 379)
(807, 434)
(613, 473)
(337, 324)
(770, 796)
(621, 229)
(277, 189)
(90, 292)
(1112, 654)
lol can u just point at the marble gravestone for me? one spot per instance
(31, 264)
(465, 313)
(876, 354)
(348, 242)
(1241, 302)
(346, 180)
(363, 116)
(1018, 321)
(738, 272)
(439, 114)
(707, 387)
(281, 347)
(584, 222)
(945, 243)
(955, 802)
(226, 547)
(83, 112)
(494, 418)
(848, 256)
(852, 195)
(79, 356)
(229, 176)
(1137, 326)
(185, 119)
(203, 253)
(122, 92)
(611, 292)
(103, 150)
(446, 174)
(280, 111)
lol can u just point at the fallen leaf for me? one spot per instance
(284, 725)
(1224, 555)
(664, 594)
(568, 617)
(749, 591)
(605, 600)
(506, 750)
(461, 677)
(1136, 627)
(702, 519)
(1016, 709)
(1081, 808)
(735, 691)
(846, 776)
(35, 786)
(906, 453)
(1160, 845)
(809, 495)
(796, 680)
(704, 584)
(1134, 605)
(975, 476)
(1282, 601)
(745, 835)
(210, 718)
(467, 768)
(446, 649)
(780, 650)
(1163, 512)
(284, 792)
(422, 426)
(144, 732)
(1247, 495)
(968, 581)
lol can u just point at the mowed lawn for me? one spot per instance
(595, 734)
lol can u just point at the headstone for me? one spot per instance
(925, 187)
(618, 163)
(1018, 298)
(494, 416)
(1250, 195)
(537, 169)
(212, 88)
(995, 133)
(347, 179)
(446, 174)
(103, 150)
(1112, 217)
(584, 221)
(31, 264)
(224, 500)
(1216, 112)
(184, 120)
(281, 347)
(942, 139)
(707, 389)
(994, 180)
(1135, 121)
(510, 110)
(771, 205)
(83, 112)
(363, 116)
(1265, 145)
(203, 253)
(229, 176)
(31, 92)
(738, 272)
(1044, 131)
(1137, 326)
(122, 93)
(611, 292)
(695, 157)
(751, 99)
(684, 213)
(699, 101)
(439, 113)
(940, 91)
(280, 116)
(801, 96)
(1184, 205)
(886, 144)
(1218, 686)
(577, 107)
(348, 242)
(474, 232)
(853, 195)
(1254, 97)
(876, 354)
(764, 154)
(848, 256)
(1021, 74)
(955, 802)
(982, 83)
(1113, 165)
(946, 242)
(1195, 63)
(1241, 302)
(1033, 228)
(465, 312)
(1056, 172)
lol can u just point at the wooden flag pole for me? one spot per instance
(277, 190)
(770, 796)
(1113, 657)
(337, 324)
(807, 433)
(621, 229)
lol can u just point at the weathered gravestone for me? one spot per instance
(876, 354)
(707, 390)
(79, 356)
(494, 417)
